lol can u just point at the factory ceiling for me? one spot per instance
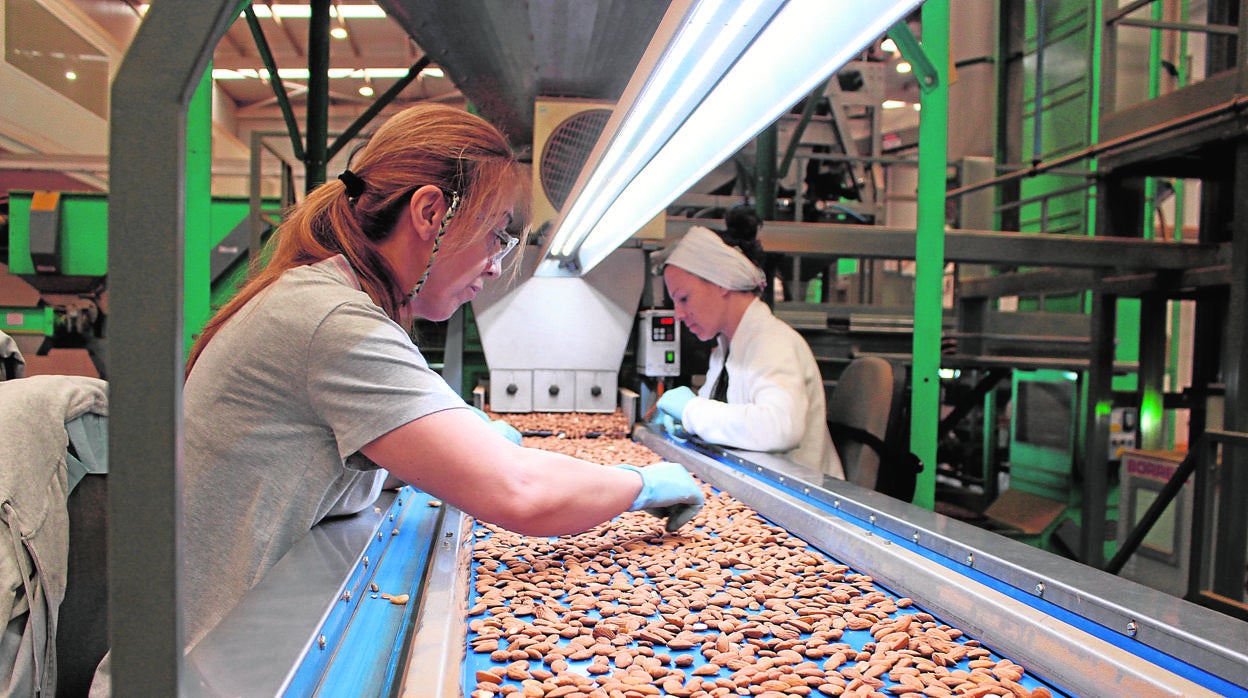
(497, 56)
(503, 55)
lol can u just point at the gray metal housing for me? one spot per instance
(555, 344)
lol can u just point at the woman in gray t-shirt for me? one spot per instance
(306, 389)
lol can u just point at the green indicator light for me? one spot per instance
(670, 357)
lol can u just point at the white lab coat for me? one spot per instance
(775, 395)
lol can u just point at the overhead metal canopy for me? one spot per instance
(503, 55)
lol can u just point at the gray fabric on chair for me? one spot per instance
(82, 629)
(12, 364)
(35, 488)
(862, 398)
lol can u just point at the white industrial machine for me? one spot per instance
(555, 344)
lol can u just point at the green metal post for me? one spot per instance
(375, 108)
(1152, 361)
(1148, 331)
(1100, 83)
(275, 79)
(1094, 458)
(808, 112)
(930, 253)
(1154, 90)
(1183, 63)
(198, 211)
(315, 159)
(766, 147)
(988, 460)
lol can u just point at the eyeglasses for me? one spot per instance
(506, 243)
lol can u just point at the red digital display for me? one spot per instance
(667, 321)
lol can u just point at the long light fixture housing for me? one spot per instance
(714, 75)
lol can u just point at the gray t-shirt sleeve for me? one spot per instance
(366, 378)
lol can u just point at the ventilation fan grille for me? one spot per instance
(566, 151)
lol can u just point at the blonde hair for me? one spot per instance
(425, 144)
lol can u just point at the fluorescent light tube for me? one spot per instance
(305, 11)
(715, 75)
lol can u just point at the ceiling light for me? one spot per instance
(714, 75)
(366, 90)
(903, 67)
(893, 104)
(888, 46)
(71, 75)
(338, 32)
(432, 72)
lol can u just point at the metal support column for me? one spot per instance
(151, 96)
(1230, 563)
(255, 199)
(808, 111)
(275, 80)
(1152, 376)
(930, 251)
(1094, 461)
(766, 146)
(316, 157)
(377, 106)
(453, 351)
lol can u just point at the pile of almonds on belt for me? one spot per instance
(730, 605)
(567, 424)
(601, 451)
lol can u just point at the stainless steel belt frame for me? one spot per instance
(899, 545)
(880, 537)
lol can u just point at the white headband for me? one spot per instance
(702, 253)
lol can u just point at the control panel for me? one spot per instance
(658, 343)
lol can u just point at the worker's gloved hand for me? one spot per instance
(503, 428)
(669, 492)
(672, 402)
(670, 425)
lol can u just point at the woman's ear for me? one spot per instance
(426, 209)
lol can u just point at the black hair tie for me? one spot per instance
(355, 185)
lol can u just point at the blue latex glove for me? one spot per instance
(673, 402)
(669, 425)
(669, 492)
(503, 428)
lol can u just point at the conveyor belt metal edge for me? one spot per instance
(281, 637)
(437, 646)
(260, 644)
(368, 655)
(1079, 660)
